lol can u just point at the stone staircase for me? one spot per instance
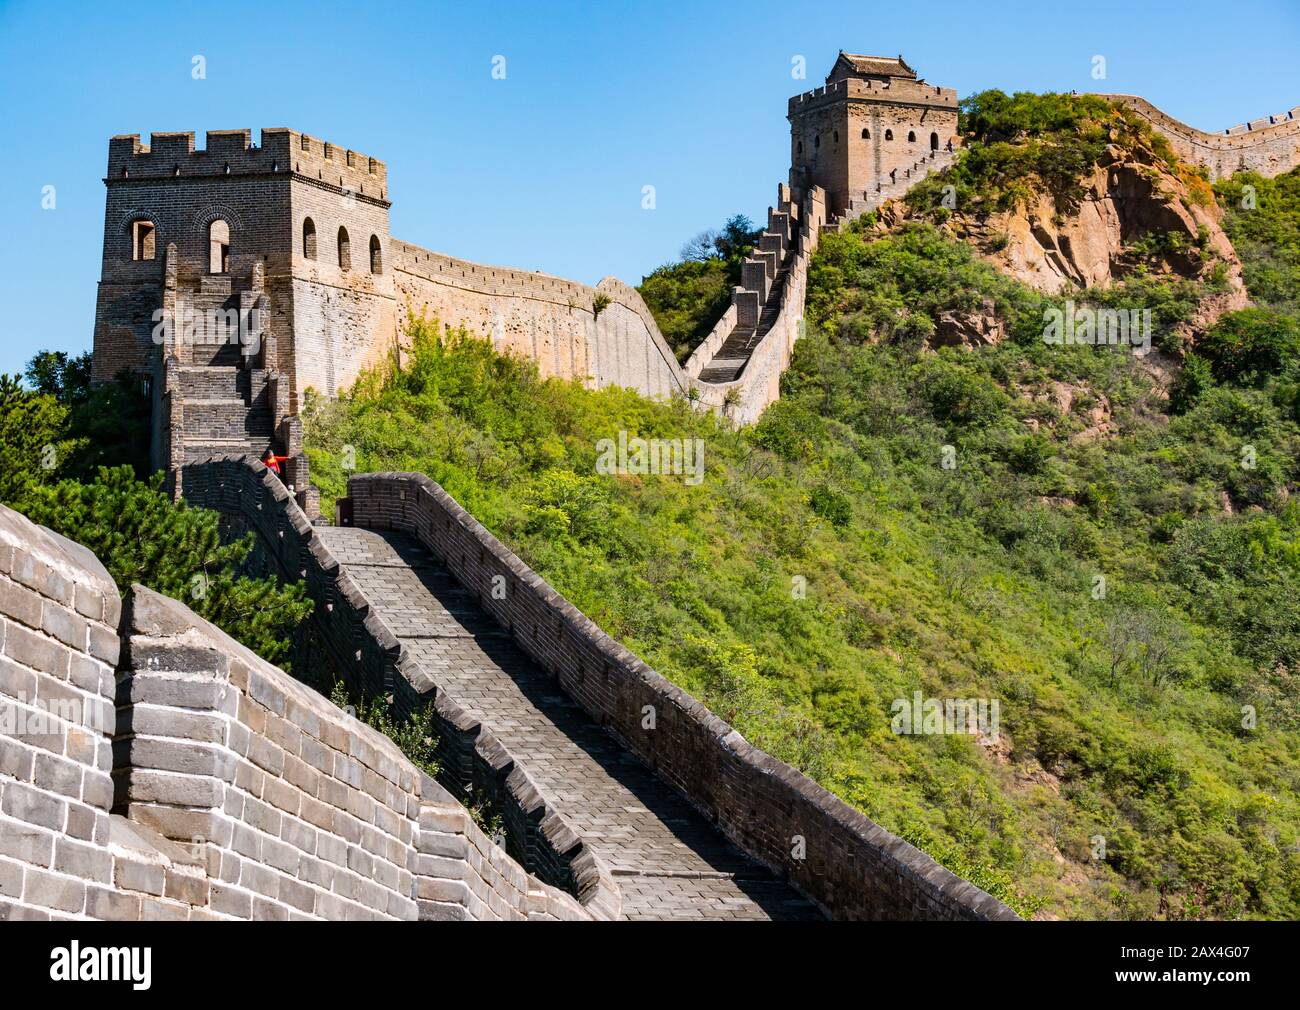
(730, 360)
(757, 300)
(869, 200)
(227, 409)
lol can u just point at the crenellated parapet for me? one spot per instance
(1269, 146)
(893, 92)
(233, 153)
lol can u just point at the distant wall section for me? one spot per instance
(550, 320)
(1268, 146)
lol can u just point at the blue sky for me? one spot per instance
(544, 169)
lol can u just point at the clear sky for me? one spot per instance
(542, 170)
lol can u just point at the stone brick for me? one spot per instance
(27, 843)
(136, 875)
(16, 760)
(89, 862)
(57, 775)
(69, 628)
(81, 822)
(112, 905)
(190, 888)
(104, 644)
(231, 901)
(18, 603)
(157, 910)
(33, 806)
(266, 910)
(175, 790)
(298, 895)
(45, 890)
(35, 651)
(89, 603)
(11, 879)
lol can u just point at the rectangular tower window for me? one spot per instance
(142, 244)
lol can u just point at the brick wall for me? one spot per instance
(1269, 147)
(547, 319)
(853, 868)
(202, 782)
(345, 637)
(58, 648)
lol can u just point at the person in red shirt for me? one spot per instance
(273, 462)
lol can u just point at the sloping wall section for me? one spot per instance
(1268, 146)
(606, 334)
(199, 782)
(852, 868)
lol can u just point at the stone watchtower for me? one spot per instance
(870, 133)
(237, 277)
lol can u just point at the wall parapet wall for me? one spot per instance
(361, 647)
(894, 92)
(59, 611)
(232, 152)
(235, 791)
(853, 868)
(1268, 146)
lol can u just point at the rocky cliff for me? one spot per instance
(1134, 213)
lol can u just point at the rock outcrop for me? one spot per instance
(977, 328)
(1133, 213)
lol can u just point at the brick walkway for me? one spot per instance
(668, 861)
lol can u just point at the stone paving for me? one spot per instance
(668, 861)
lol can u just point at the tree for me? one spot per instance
(1145, 643)
(108, 422)
(140, 535)
(33, 440)
(1250, 346)
(55, 374)
(1194, 379)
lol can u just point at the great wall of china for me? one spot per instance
(160, 770)
(163, 771)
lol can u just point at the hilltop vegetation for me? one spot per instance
(1262, 217)
(1017, 146)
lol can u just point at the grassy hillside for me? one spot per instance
(969, 583)
(1262, 217)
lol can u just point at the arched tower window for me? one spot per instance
(866, 134)
(911, 136)
(309, 238)
(376, 256)
(837, 136)
(889, 134)
(934, 142)
(799, 150)
(219, 247)
(143, 235)
(345, 250)
(817, 140)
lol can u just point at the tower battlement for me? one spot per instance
(232, 152)
(898, 91)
